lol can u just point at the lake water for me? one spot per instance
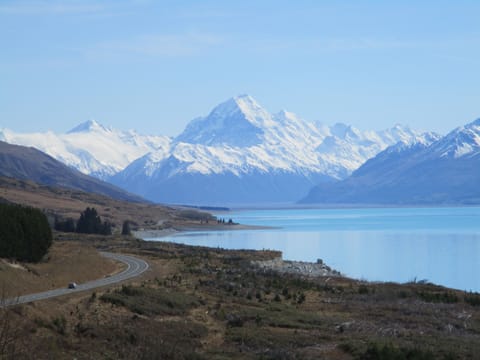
(441, 245)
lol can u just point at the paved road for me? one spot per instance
(134, 268)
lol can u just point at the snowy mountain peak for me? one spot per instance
(462, 141)
(239, 121)
(243, 106)
(92, 148)
(420, 141)
(344, 131)
(246, 101)
(475, 123)
(88, 126)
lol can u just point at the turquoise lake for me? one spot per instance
(441, 245)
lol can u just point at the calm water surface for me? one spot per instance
(441, 245)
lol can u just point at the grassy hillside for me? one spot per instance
(70, 203)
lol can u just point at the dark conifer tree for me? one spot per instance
(25, 233)
(126, 228)
(89, 222)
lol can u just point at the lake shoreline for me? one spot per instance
(386, 245)
(149, 234)
(278, 264)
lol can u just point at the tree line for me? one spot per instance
(88, 223)
(25, 233)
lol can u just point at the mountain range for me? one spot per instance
(90, 147)
(27, 163)
(437, 170)
(238, 154)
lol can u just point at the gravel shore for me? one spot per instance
(296, 267)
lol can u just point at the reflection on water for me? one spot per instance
(438, 244)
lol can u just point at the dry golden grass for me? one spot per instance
(65, 262)
(70, 203)
(67, 203)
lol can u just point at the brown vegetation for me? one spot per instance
(200, 303)
(67, 203)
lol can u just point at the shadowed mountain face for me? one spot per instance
(26, 163)
(440, 171)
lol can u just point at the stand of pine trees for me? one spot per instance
(25, 233)
(88, 223)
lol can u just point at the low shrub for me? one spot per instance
(149, 301)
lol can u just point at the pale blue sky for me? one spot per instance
(155, 65)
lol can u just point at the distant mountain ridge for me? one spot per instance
(27, 163)
(238, 154)
(242, 154)
(440, 170)
(90, 147)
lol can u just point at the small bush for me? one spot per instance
(472, 298)
(301, 298)
(387, 352)
(59, 324)
(148, 301)
(363, 289)
(234, 320)
(445, 297)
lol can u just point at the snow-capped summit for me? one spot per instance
(241, 153)
(463, 141)
(425, 169)
(88, 126)
(238, 153)
(91, 147)
(408, 145)
(239, 121)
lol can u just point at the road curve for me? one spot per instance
(135, 267)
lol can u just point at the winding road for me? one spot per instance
(135, 267)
